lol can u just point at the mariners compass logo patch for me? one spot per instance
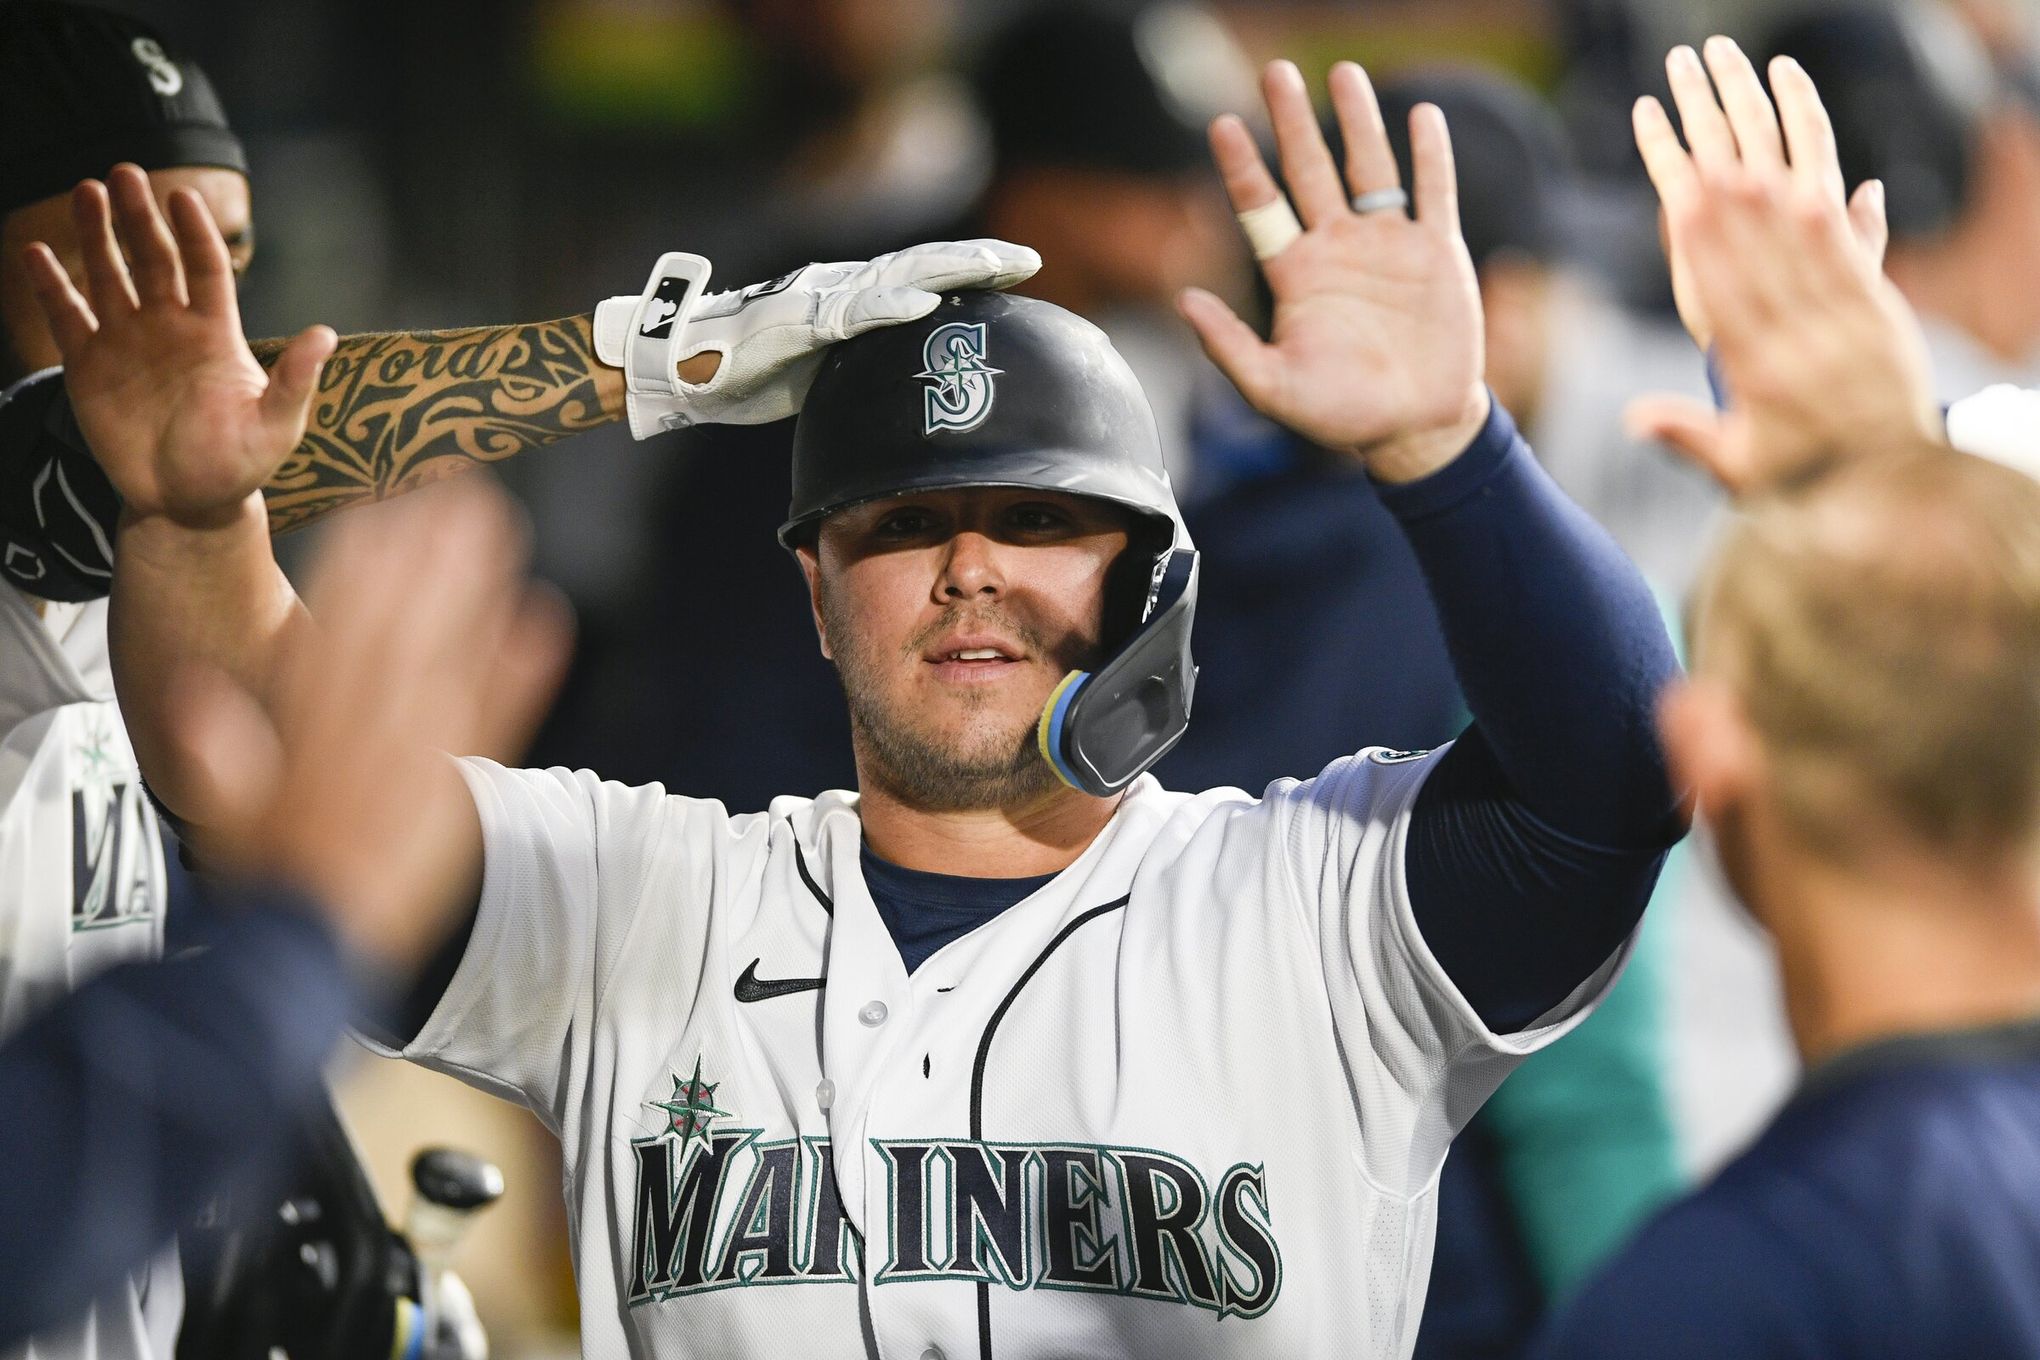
(959, 392)
(692, 1107)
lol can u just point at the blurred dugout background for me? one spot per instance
(461, 162)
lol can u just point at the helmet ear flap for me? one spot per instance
(1101, 732)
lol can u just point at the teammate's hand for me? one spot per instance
(1376, 345)
(424, 638)
(769, 338)
(1778, 271)
(1714, 126)
(176, 409)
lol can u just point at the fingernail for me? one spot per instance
(1685, 55)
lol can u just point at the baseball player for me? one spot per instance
(1010, 1051)
(1860, 731)
(82, 877)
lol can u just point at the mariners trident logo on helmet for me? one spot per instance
(959, 393)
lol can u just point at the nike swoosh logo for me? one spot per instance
(751, 987)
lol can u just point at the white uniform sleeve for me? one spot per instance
(2001, 423)
(566, 860)
(1420, 1058)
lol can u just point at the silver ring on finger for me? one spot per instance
(1381, 200)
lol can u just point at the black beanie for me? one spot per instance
(83, 89)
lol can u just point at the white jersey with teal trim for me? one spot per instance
(1189, 1097)
(81, 888)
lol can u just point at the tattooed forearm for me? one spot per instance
(398, 410)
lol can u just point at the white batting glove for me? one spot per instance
(772, 335)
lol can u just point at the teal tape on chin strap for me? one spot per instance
(407, 1339)
(1050, 729)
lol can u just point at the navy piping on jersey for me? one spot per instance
(800, 864)
(977, 1083)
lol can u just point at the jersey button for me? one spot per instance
(825, 1094)
(872, 1014)
(932, 1353)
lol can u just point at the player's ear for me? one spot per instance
(811, 568)
(1713, 752)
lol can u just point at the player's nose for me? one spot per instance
(971, 569)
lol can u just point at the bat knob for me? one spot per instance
(456, 1180)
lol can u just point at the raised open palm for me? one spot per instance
(1778, 270)
(1376, 341)
(1732, 122)
(173, 404)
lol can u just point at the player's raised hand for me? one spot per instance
(1777, 270)
(1376, 344)
(175, 407)
(1790, 145)
(424, 638)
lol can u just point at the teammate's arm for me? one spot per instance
(188, 426)
(393, 411)
(396, 410)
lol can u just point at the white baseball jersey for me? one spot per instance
(81, 888)
(1189, 1098)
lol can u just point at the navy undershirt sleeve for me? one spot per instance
(1536, 841)
(138, 1097)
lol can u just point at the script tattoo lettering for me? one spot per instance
(395, 411)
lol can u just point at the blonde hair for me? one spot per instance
(1881, 627)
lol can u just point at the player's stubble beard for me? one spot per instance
(992, 765)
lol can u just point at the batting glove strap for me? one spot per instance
(772, 335)
(647, 337)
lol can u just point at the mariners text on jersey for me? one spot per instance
(1129, 1221)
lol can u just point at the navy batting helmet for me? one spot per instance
(995, 390)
